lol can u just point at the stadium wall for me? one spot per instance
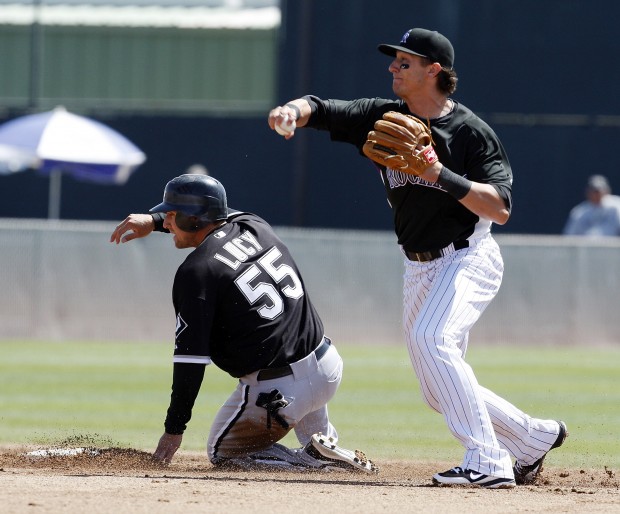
(64, 280)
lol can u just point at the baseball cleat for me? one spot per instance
(528, 473)
(325, 450)
(460, 476)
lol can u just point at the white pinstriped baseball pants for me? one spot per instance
(443, 299)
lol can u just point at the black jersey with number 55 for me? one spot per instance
(241, 303)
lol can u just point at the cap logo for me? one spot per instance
(405, 37)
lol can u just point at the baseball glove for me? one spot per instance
(401, 142)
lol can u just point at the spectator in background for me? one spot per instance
(197, 169)
(598, 215)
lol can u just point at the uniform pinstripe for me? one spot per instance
(453, 267)
(443, 299)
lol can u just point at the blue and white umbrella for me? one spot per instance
(13, 160)
(78, 146)
(58, 142)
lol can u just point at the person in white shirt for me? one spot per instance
(598, 215)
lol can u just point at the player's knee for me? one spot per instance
(424, 341)
(433, 343)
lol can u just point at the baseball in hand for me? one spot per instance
(286, 127)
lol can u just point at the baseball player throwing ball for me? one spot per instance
(241, 304)
(447, 179)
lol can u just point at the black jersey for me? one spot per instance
(241, 303)
(425, 216)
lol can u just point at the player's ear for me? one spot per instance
(434, 69)
(190, 223)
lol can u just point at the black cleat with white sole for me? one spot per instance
(460, 476)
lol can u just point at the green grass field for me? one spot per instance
(118, 392)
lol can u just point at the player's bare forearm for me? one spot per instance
(304, 110)
(481, 199)
(484, 200)
(133, 227)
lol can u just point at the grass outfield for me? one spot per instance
(119, 392)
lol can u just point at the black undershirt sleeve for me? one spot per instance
(158, 221)
(506, 193)
(186, 382)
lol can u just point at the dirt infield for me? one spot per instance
(119, 480)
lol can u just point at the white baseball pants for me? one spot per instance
(443, 299)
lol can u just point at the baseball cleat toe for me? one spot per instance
(325, 450)
(528, 473)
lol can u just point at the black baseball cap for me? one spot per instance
(425, 43)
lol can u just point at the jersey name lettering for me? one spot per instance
(238, 250)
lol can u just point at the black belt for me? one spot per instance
(435, 254)
(271, 373)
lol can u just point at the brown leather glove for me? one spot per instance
(401, 142)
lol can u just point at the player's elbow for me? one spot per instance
(501, 217)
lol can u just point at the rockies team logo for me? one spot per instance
(397, 178)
